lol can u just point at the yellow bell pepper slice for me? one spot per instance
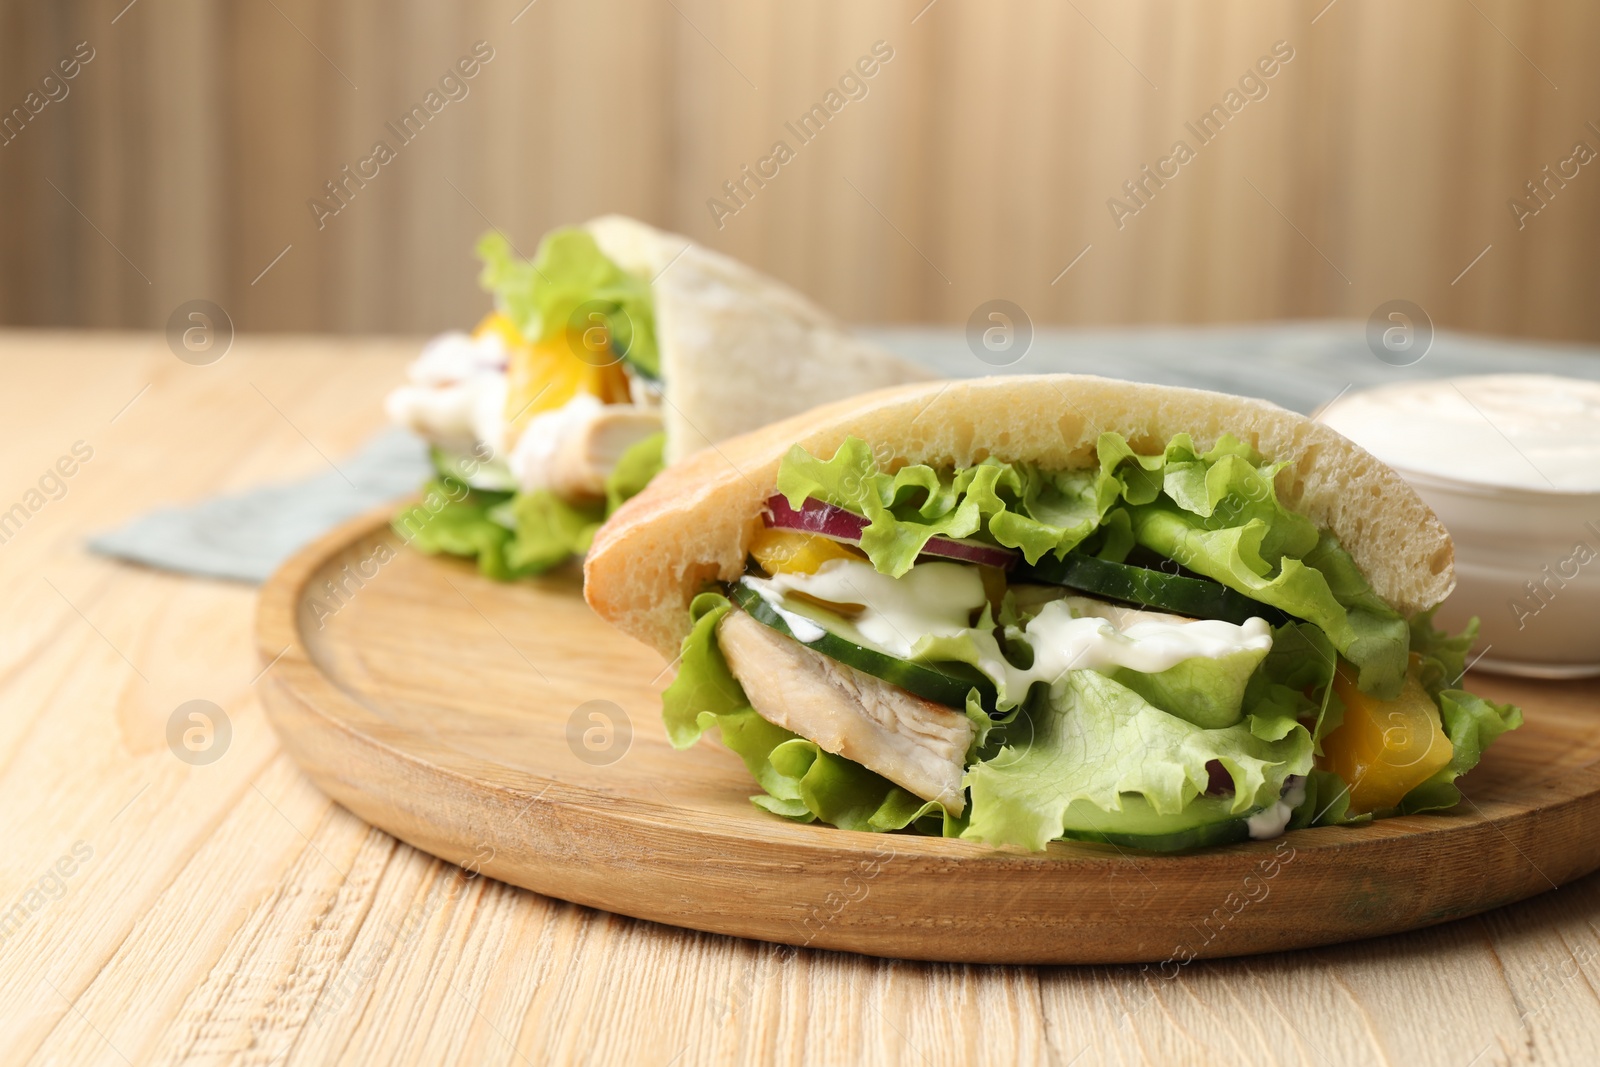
(793, 552)
(1384, 748)
(546, 375)
(496, 323)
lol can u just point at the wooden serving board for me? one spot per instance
(507, 729)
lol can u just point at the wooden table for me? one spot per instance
(229, 912)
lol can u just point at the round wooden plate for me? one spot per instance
(507, 729)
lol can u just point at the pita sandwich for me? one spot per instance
(1022, 609)
(616, 350)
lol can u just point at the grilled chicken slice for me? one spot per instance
(916, 744)
(583, 459)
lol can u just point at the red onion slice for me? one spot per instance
(827, 520)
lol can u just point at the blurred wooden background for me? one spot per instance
(180, 161)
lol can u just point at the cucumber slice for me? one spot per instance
(948, 684)
(489, 476)
(1206, 821)
(1199, 598)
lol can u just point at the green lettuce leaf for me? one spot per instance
(1444, 657)
(1327, 803)
(1225, 487)
(516, 535)
(1096, 740)
(566, 284)
(634, 470)
(1206, 692)
(1114, 540)
(453, 519)
(703, 682)
(1302, 661)
(835, 790)
(546, 530)
(1015, 505)
(511, 536)
(1471, 723)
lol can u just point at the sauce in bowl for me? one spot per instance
(1511, 465)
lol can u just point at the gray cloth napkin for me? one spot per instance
(1300, 366)
(245, 537)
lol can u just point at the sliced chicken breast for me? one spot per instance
(585, 458)
(916, 744)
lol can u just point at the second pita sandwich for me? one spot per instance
(615, 350)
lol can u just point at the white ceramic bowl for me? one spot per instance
(1511, 465)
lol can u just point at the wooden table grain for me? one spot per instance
(157, 911)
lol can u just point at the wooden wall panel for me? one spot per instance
(978, 165)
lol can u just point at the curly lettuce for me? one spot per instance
(1016, 505)
(1097, 741)
(1215, 512)
(566, 285)
(452, 518)
(517, 535)
(1470, 721)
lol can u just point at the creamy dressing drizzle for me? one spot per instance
(804, 630)
(1073, 633)
(931, 599)
(1272, 820)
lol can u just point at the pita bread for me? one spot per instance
(738, 349)
(694, 522)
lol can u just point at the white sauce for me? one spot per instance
(1073, 633)
(1079, 633)
(1272, 820)
(1529, 431)
(804, 630)
(931, 599)
(456, 392)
